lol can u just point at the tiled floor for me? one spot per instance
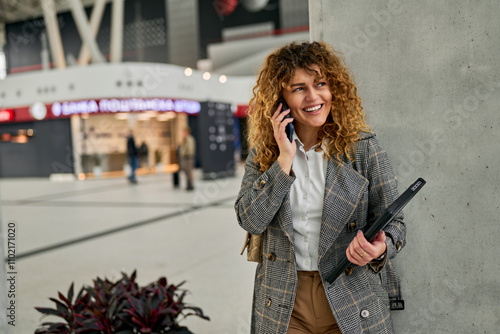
(74, 231)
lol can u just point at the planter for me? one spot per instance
(132, 313)
(159, 168)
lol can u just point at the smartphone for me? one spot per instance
(289, 127)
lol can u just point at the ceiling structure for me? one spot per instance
(21, 10)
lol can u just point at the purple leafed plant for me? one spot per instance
(120, 307)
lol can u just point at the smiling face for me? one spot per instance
(309, 98)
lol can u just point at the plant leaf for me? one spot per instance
(71, 292)
(133, 276)
(64, 299)
(137, 305)
(60, 306)
(162, 281)
(48, 311)
(137, 321)
(198, 311)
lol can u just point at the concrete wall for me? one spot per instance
(428, 73)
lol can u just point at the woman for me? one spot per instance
(312, 196)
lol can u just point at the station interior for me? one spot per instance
(76, 79)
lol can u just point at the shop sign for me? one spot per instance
(6, 115)
(60, 109)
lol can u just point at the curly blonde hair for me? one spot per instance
(346, 119)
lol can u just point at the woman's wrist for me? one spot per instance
(382, 256)
(285, 163)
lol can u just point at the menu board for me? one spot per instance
(216, 139)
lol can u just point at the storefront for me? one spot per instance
(87, 138)
(66, 123)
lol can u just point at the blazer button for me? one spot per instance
(352, 227)
(262, 183)
(271, 257)
(269, 302)
(348, 271)
(398, 245)
(365, 314)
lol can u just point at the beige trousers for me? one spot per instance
(187, 167)
(311, 313)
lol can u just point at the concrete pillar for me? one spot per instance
(52, 27)
(44, 53)
(95, 22)
(182, 30)
(83, 29)
(3, 38)
(76, 139)
(116, 48)
(292, 13)
(427, 72)
(3, 64)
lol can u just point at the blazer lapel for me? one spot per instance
(343, 190)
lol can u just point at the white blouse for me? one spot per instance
(306, 198)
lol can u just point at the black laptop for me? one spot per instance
(371, 231)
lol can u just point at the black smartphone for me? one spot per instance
(289, 127)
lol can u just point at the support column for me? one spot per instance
(116, 48)
(52, 26)
(183, 32)
(44, 54)
(316, 23)
(83, 29)
(3, 39)
(95, 22)
(76, 138)
(3, 60)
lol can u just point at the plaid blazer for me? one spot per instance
(356, 194)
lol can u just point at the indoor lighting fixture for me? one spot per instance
(165, 117)
(206, 75)
(222, 79)
(121, 116)
(143, 117)
(188, 71)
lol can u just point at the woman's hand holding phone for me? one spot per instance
(287, 149)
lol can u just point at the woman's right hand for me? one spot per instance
(287, 148)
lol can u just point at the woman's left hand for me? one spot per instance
(360, 251)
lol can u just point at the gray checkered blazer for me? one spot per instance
(356, 193)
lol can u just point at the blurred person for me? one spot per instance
(133, 157)
(144, 154)
(175, 175)
(187, 155)
(312, 195)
